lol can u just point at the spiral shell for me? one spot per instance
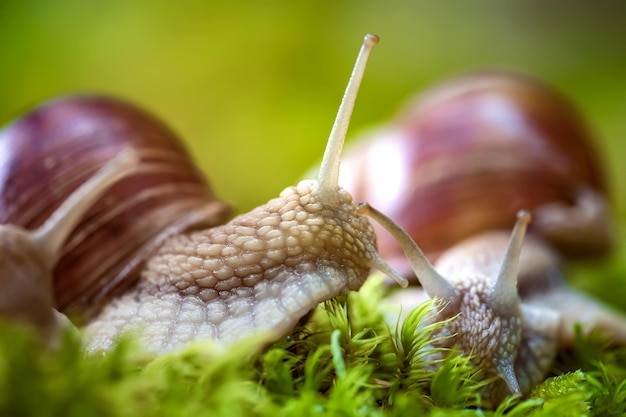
(50, 151)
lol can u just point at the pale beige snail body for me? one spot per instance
(465, 157)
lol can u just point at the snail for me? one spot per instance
(452, 170)
(192, 279)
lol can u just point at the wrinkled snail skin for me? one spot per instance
(507, 340)
(262, 271)
(517, 332)
(259, 273)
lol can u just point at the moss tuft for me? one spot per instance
(347, 360)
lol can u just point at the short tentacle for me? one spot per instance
(504, 291)
(434, 284)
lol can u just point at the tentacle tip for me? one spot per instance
(402, 281)
(507, 372)
(371, 40)
(524, 216)
(386, 269)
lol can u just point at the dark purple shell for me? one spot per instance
(49, 152)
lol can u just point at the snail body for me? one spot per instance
(262, 271)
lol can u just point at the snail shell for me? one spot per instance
(466, 156)
(51, 151)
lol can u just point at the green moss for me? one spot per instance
(346, 361)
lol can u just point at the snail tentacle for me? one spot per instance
(328, 175)
(504, 291)
(434, 284)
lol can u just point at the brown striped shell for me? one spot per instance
(466, 156)
(50, 151)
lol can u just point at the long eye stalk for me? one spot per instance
(328, 176)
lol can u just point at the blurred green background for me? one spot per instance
(253, 87)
